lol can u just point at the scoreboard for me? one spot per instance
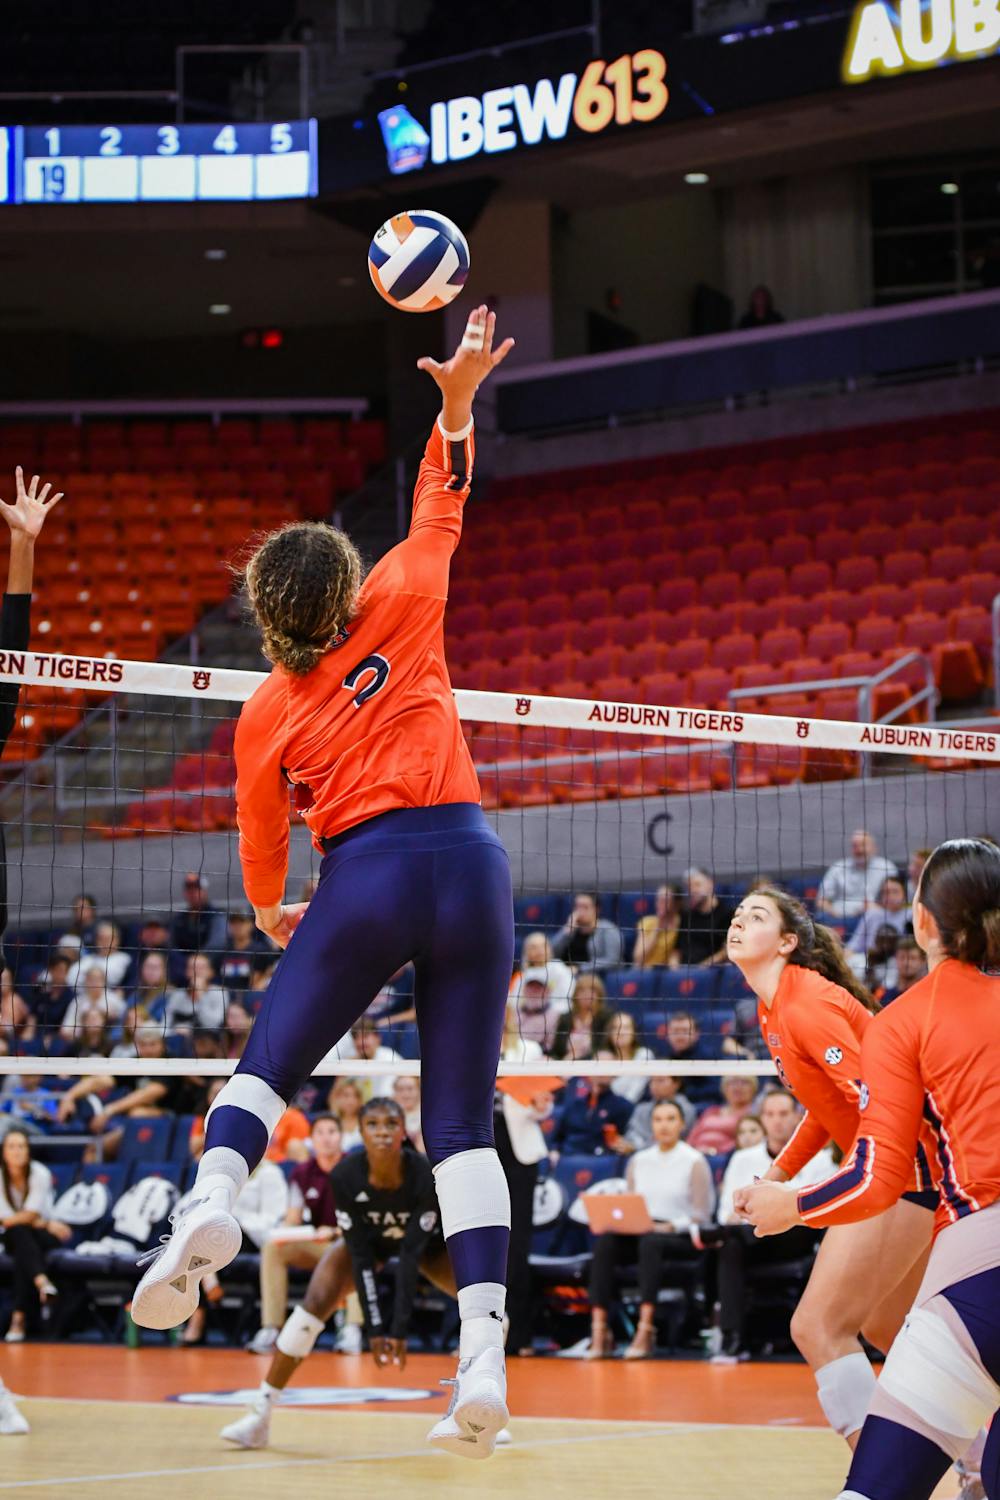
(157, 163)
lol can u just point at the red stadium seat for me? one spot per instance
(677, 593)
(973, 623)
(810, 578)
(951, 562)
(581, 576)
(820, 519)
(736, 650)
(649, 626)
(663, 688)
(876, 633)
(918, 536)
(836, 703)
(904, 567)
(779, 645)
(987, 558)
(756, 674)
(805, 669)
(647, 659)
(546, 610)
(616, 689)
(938, 595)
(832, 545)
(508, 613)
(799, 612)
(887, 599)
(828, 639)
(709, 687)
(806, 493)
(957, 671)
(845, 487)
(606, 662)
(876, 541)
(704, 560)
(765, 584)
(720, 588)
(688, 655)
(744, 557)
(857, 573)
(553, 637)
(634, 598)
(920, 631)
(768, 765)
(789, 551)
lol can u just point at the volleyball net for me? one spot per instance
(632, 831)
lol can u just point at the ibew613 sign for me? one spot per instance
(629, 90)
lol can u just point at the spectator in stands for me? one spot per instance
(622, 1042)
(196, 1139)
(106, 955)
(175, 1094)
(521, 1145)
(685, 1043)
(91, 995)
(911, 965)
(310, 1205)
(201, 1003)
(16, 1019)
(200, 928)
(880, 971)
(29, 1230)
(749, 1132)
(90, 1036)
(259, 1209)
(536, 953)
(739, 1251)
(134, 1018)
(154, 936)
(52, 994)
(290, 1138)
(243, 945)
(151, 991)
(535, 1015)
(84, 918)
(640, 1127)
(592, 1118)
(656, 935)
(369, 1045)
(891, 910)
(236, 1031)
(345, 1101)
(676, 1182)
(761, 311)
(588, 941)
(406, 1092)
(714, 1131)
(263, 969)
(914, 870)
(579, 1031)
(704, 922)
(852, 884)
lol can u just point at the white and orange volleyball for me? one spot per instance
(418, 260)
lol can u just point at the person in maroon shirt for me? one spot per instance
(310, 1203)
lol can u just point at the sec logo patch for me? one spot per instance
(833, 1056)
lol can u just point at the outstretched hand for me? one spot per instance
(461, 376)
(27, 514)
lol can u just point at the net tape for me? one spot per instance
(168, 680)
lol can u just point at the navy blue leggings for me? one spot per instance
(429, 886)
(892, 1462)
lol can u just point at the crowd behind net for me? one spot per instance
(135, 795)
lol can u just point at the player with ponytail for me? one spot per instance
(813, 1014)
(934, 1056)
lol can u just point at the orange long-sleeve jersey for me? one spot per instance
(813, 1030)
(373, 726)
(930, 1061)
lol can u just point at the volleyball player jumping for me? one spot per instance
(358, 715)
(25, 517)
(813, 1014)
(932, 1058)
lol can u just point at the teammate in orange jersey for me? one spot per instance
(358, 715)
(813, 1014)
(932, 1058)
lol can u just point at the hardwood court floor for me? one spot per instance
(112, 1422)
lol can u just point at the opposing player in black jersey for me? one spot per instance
(386, 1209)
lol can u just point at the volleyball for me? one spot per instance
(418, 260)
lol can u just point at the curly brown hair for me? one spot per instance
(302, 584)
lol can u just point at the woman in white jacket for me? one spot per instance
(521, 1146)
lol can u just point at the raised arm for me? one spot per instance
(25, 517)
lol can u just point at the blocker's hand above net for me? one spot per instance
(28, 512)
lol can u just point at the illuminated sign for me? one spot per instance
(889, 39)
(624, 92)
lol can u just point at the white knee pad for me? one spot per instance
(244, 1091)
(298, 1337)
(845, 1388)
(932, 1374)
(472, 1191)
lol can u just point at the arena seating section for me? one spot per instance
(154, 513)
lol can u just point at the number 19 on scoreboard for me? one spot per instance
(161, 163)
